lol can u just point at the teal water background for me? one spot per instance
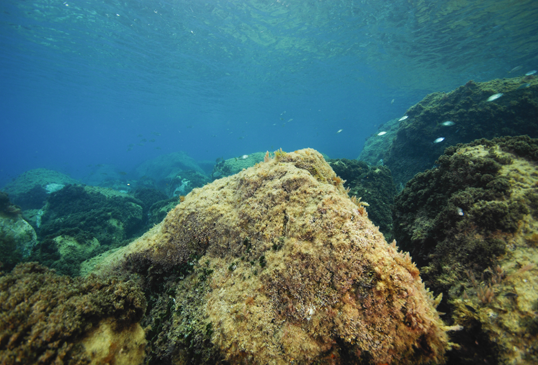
(89, 82)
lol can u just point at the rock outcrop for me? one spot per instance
(276, 264)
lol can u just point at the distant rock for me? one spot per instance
(79, 222)
(30, 189)
(159, 168)
(473, 117)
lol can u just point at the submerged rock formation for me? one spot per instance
(276, 264)
(46, 318)
(473, 116)
(471, 225)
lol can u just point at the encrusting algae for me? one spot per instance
(284, 268)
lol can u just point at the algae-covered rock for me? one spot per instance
(377, 145)
(373, 185)
(30, 189)
(46, 318)
(233, 165)
(471, 225)
(17, 237)
(514, 113)
(276, 264)
(77, 220)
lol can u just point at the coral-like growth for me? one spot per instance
(284, 268)
(46, 318)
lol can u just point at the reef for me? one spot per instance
(29, 190)
(371, 184)
(470, 224)
(513, 114)
(79, 222)
(276, 264)
(46, 318)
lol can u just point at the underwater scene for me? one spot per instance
(269, 182)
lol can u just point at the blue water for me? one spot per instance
(80, 81)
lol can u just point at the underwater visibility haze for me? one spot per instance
(89, 82)
(269, 182)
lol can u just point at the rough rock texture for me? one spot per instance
(515, 113)
(77, 220)
(471, 224)
(46, 318)
(373, 185)
(277, 265)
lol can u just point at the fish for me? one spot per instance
(530, 73)
(523, 86)
(470, 308)
(392, 101)
(290, 120)
(244, 157)
(382, 133)
(517, 68)
(448, 123)
(460, 211)
(438, 140)
(495, 96)
(403, 118)
(340, 130)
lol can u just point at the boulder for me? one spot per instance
(276, 264)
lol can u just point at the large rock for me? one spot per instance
(471, 224)
(30, 190)
(413, 150)
(277, 265)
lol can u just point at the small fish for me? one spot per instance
(340, 130)
(460, 211)
(392, 101)
(517, 68)
(438, 140)
(530, 73)
(470, 308)
(403, 118)
(290, 120)
(523, 86)
(448, 123)
(382, 133)
(495, 96)
(244, 157)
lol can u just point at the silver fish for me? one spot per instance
(530, 73)
(340, 130)
(517, 68)
(382, 133)
(460, 211)
(495, 96)
(448, 123)
(523, 86)
(438, 140)
(403, 118)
